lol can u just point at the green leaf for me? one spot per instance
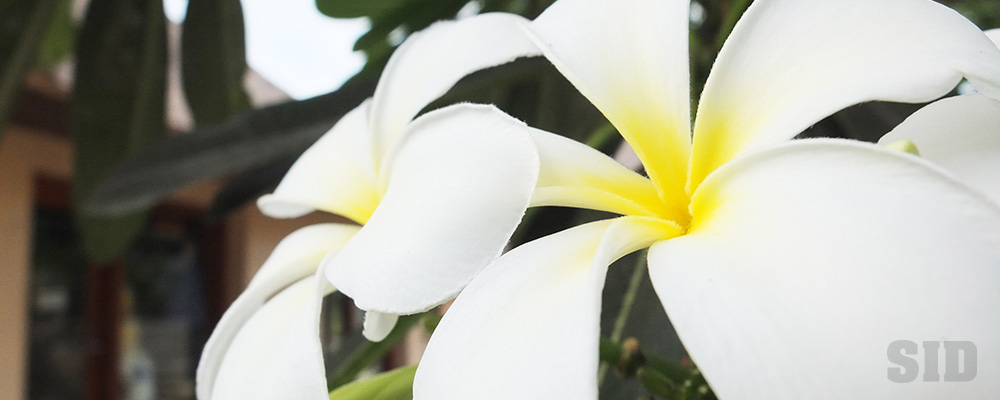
(356, 8)
(118, 107)
(393, 385)
(655, 382)
(22, 25)
(358, 353)
(248, 186)
(258, 139)
(248, 141)
(59, 37)
(213, 58)
(412, 15)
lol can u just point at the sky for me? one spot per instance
(293, 46)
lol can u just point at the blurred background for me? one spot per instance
(136, 135)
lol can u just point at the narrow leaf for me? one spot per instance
(213, 58)
(356, 8)
(118, 107)
(59, 37)
(248, 141)
(359, 353)
(393, 385)
(248, 186)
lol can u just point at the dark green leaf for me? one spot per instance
(250, 140)
(118, 107)
(59, 37)
(247, 187)
(213, 57)
(358, 353)
(655, 382)
(22, 26)
(412, 16)
(393, 385)
(356, 8)
(257, 139)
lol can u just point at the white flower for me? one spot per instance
(438, 198)
(786, 267)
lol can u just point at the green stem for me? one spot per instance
(601, 136)
(638, 272)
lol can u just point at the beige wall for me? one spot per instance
(26, 155)
(15, 233)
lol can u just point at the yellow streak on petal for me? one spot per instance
(362, 210)
(616, 193)
(714, 145)
(663, 144)
(589, 198)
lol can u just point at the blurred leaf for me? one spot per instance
(57, 44)
(248, 186)
(355, 8)
(256, 140)
(985, 13)
(118, 107)
(22, 24)
(393, 385)
(412, 16)
(248, 141)
(358, 353)
(213, 58)
(407, 16)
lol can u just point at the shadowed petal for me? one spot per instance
(431, 61)
(296, 257)
(527, 327)
(277, 354)
(961, 134)
(458, 187)
(333, 175)
(378, 325)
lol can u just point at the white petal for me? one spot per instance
(527, 327)
(277, 354)
(458, 187)
(335, 175)
(790, 63)
(961, 134)
(630, 58)
(807, 260)
(378, 325)
(994, 35)
(296, 257)
(575, 175)
(431, 61)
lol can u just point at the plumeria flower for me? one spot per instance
(786, 267)
(417, 188)
(994, 35)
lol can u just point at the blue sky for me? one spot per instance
(293, 46)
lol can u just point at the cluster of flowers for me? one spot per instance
(786, 266)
